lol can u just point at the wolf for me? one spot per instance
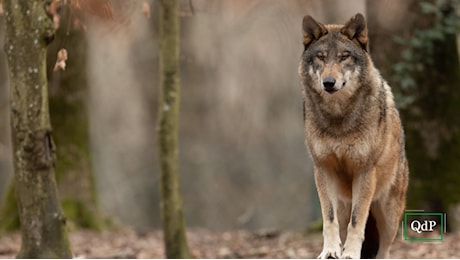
(354, 135)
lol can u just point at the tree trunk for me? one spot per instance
(42, 221)
(6, 162)
(431, 121)
(9, 218)
(68, 105)
(172, 213)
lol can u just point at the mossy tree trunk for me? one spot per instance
(171, 202)
(9, 217)
(431, 121)
(8, 200)
(68, 106)
(42, 221)
(6, 163)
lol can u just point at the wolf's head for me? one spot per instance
(335, 56)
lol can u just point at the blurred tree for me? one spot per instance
(423, 64)
(28, 30)
(6, 165)
(171, 201)
(9, 218)
(68, 106)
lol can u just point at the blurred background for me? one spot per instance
(243, 161)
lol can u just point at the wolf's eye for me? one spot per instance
(344, 56)
(320, 56)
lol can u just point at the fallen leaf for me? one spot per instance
(61, 60)
(146, 9)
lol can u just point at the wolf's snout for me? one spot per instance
(329, 84)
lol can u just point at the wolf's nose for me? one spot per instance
(329, 83)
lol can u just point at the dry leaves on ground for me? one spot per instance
(129, 243)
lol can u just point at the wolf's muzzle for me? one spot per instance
(329, 85)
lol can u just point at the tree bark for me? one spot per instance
(28, 30)
(68, 104)
(172, 213)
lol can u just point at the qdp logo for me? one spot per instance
(423, 226)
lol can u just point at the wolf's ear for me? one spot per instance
(312, 30)
(356, 30)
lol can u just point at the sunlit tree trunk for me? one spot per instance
(42, 221)
(171, 206)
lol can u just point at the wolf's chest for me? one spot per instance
(340, 152)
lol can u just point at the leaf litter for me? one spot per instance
(131, 243)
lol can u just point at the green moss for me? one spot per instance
(86, 217)
(9, 218)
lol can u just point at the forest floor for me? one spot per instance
(129, 243)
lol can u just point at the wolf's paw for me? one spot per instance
(327, 253)
(351, 254)
(352, 248)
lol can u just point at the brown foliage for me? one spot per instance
(99, 8)
(102, 9)
(61, 60)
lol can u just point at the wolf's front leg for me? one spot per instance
(332, 246)
(362, 195)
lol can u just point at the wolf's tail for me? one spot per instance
(371, 239)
